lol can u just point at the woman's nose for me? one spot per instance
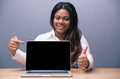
(61, 21)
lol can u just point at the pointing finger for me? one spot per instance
(17, 40)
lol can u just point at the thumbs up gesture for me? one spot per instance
(82, 59)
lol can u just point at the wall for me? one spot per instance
(99, 20)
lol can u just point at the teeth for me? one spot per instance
(60, 27)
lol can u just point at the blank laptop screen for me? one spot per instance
(48, 55)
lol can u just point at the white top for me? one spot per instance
(20, 56)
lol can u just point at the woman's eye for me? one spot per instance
(57, 18)
(66, 18)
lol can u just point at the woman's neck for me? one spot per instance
(60, 36)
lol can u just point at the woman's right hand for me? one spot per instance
(14, 44)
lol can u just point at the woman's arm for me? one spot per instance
(20, 57)
(84, 43)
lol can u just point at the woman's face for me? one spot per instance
(61, 21)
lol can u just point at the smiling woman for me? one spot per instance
(64, 21)
(61, 23)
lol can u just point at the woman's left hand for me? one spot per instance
(82, 59)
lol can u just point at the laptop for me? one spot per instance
(48, 58)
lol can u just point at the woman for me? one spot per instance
(64, 21)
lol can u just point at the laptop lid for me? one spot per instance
(48, 56)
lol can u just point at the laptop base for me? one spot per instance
(25, 74)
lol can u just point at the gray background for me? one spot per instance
(99, 20)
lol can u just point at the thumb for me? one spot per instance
(84, 51)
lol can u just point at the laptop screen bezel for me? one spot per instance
(65, 42)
